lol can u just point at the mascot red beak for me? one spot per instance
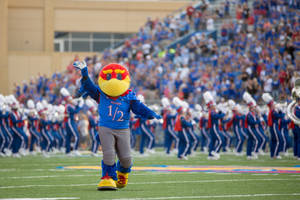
(114, 80)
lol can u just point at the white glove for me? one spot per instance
(79, 65)
(80, 102)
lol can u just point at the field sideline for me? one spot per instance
(38, 177)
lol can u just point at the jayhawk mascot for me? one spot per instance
(115, 101)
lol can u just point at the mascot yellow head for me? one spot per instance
(114, 80)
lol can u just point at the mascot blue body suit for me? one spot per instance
(115, 101)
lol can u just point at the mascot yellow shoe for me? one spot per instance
(122, 175)
(122, 179)
(107, 183)
(109, 178)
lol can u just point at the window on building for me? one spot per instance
(87, 42)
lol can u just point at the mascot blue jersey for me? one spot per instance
(115, 112)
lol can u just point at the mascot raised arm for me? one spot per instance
(115, 101)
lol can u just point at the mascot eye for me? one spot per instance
(108, 76)
(119, 76)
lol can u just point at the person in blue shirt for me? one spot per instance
(115, 101)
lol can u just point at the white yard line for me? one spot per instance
(264, 174)
(81, 175)
(55, 198)
(32, 186)
(212, 181)
(147, 183)
(208, 197)
(40, 177)
(7, 170)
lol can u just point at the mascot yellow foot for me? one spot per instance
(109, 177)
(122, 179)
(107, 183)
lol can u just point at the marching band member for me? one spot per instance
(187, 127)
(296, 131)
(5, 127)
(20, 140)
(250, 124)
(276, 141)
(168, 126)
(260, 132)
(47, 141)
(184, 142)
(237, 124)
(58, 139)
(146, 133)
(93, 126)
(205, 136)
(61, 126)
(71, 125)
(213, 126)
(33, 126)
(293, 111)
(284, 129)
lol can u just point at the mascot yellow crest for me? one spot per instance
(114, 80)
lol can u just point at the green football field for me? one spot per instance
(36, 177)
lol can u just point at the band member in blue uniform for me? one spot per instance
(205, 137)
(168, 126)
(33, 126)
(284, 129)
(47, 141)
(184, 143)
(93, 130)
(276, 140)
(20, 140)
(71, 125)
(251, 123)
(237, 124)
(6, 130)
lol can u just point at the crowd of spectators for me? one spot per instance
(256, 52)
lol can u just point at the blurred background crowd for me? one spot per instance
(256, 51)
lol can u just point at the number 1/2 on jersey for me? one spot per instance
(115, 113)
